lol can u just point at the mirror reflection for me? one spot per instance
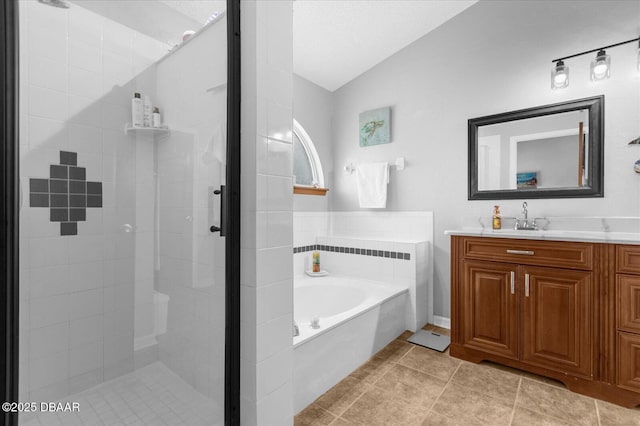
(534, 153)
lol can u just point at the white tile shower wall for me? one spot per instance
(76, 325)
(266, 281)
(190, 166)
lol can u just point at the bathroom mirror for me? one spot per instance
(552, 151)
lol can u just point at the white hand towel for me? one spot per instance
(372, 185)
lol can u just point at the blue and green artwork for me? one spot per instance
(375, 127)
(527, 180)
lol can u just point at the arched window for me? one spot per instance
(307, 169)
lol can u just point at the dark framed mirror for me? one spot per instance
(551, 151)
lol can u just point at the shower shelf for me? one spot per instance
(163, 130)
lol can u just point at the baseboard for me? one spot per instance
(443, 322)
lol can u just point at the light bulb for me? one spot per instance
(601, 66)
(559, 76)
(559, 80)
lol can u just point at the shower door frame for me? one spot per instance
(10, 210)
(9, 205)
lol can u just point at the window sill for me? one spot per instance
(309, 190)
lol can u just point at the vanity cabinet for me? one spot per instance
(628, 316)
(561, 309)
(517, 309)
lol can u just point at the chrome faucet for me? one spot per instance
(525, 225)
(296, 330)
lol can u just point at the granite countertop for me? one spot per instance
(552, 235)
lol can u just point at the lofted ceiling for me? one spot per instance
(334, 41)
(163, 20)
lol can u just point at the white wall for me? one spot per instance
(494, 57)
(312, 108)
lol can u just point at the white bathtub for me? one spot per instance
(358, 317)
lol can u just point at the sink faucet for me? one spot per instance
(296, 330)
(525, 225)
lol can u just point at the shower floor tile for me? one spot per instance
(152, 395)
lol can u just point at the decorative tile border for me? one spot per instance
(66, 193)
(353, 250)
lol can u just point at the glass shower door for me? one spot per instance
(122, 281)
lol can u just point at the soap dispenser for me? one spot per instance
(497, 218)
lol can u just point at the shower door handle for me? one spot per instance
(223, 212)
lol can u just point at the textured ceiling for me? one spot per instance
(335, 41)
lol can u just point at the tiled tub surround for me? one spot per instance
(78, 72)
(66, 193)
(378, 231)
(353, 250)
(357, 316)
(399, 263)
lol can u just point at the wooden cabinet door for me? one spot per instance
(557, 319)
(629, 361)
(490, 308)
(628, 302)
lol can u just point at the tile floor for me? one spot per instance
(152, 395)
(405, 385)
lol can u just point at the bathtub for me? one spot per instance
(357, 318)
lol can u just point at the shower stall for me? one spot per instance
(126, 242)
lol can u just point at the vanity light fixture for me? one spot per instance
(600, 66)
(559, 76)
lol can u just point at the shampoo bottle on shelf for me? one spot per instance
(316, 261)
(497, 218)
(136, 110)
(156, 120)
(147, 112)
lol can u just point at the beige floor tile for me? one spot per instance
(405, 335)
(431, 362)
(337, 399)
(340, 422)
(466, 405)
(372, 370)
(611, 414)
(543, 379)
(435, 419)
(313, 415)
(557, 402)
(394, 350)
(524, 417)
(381, 407)
(489, 380)
(412, 386)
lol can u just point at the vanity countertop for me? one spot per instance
(552, 235)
